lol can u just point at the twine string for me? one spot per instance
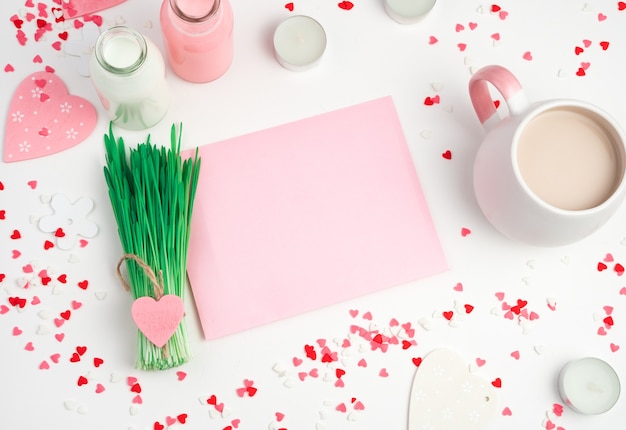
(157, 284)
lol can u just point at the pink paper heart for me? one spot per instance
(76, 8)
(158, 319)
(44, 118)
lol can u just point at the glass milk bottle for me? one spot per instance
(128, 72)
(198, 37)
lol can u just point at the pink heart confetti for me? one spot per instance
(68, 119)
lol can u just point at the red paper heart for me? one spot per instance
(346, 5)
(158, 319)
(42, 101)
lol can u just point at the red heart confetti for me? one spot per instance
(289, 7)
(497, 383)
(447, 155)
(310, 352)
(346, 5)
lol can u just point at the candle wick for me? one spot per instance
(593, 387)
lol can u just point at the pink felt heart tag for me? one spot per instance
(76, 8)
(44, 118)
(158, 319)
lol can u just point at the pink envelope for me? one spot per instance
(307, 214)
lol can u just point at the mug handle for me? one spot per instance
(506, 83)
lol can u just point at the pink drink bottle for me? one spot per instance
(198, 37)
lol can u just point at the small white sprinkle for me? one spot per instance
(115, 377)
(426, 323)
(437, 86)
(43, 329)
(280, 369)
(44, 314)
(70, 404)
(320, 426)
(134, 410)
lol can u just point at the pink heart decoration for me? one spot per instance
(76, 8)
(158, 319)
(45, 119)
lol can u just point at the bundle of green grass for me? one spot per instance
(152, 190)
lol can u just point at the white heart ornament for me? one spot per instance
(445, 395)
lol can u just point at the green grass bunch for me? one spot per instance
(152, 190)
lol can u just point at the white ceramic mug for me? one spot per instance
(552, 172)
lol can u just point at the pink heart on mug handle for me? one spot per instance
(44, 118)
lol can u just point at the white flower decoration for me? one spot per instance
(37, 92)
(69, 220)
(24, 146)
(66, 107)
(17, 116)
(71, 133)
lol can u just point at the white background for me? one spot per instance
(368, 56)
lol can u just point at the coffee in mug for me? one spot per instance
(552, 172)
(569, 158)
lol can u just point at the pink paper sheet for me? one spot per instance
(307, 214)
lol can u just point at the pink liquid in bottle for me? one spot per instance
(198, 37)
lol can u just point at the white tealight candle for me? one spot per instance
(299, 42)
(589, 385)
(408, 11)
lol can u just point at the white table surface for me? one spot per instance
(368, 56)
